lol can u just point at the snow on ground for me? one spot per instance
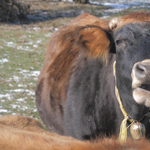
(25, 48)
(4, 60)
(48, 35)
(8, 96)
(9, 43)
(27, 73)
(19, 94)
(22, 91)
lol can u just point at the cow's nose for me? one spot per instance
(142, 71)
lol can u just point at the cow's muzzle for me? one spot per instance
(141, 82)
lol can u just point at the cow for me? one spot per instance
(95, 80)
(24, 133)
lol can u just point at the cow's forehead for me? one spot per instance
(140, 28)
(133, 18)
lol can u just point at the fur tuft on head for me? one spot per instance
(114, 23)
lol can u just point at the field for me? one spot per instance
(23, 48)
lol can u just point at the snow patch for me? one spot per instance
(4, 111)
(15, 114)
(10, 85)
(8, 96)
(27, 73)
(25, 48)
(2, 100)
(39, 41)
(21, 85)
(35, 46)
(9, 44)
(20, 100)
(4, 60)
(34, 110)
(1, 47)
(13, 106)
(24, 108)
(23, 91)
(29, 43)
(16, 78)
(55, 29)
(48, 34)
(34, 73)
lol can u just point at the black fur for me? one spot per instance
(92, 108)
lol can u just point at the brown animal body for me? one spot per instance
(24, 133)
(53, 81)
(75, 93)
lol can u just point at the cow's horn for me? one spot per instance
(114, 23)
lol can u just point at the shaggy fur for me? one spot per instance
(75, 93)
(63, 49)
(33, 137)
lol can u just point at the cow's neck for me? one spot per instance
(134, 110)
(127, 117)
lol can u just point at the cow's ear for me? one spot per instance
(95, 41)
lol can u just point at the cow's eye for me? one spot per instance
(118, 42)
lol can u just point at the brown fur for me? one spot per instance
(62, 51)
(81, 37)
(13, 136)
(87, 19)
(95, 40)
(21, 122)
(133, 17)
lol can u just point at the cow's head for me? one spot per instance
(130, 40)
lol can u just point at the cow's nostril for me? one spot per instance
(140, 68)
(140, 71)
(141, 75)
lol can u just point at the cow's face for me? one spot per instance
(133, 62)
